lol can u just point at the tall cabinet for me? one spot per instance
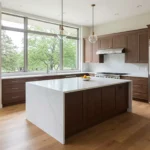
(90, 52)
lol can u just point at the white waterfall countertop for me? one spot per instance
(77, 84)
(45, 101)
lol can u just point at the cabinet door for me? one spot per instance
(119, 41)
(108, 102)
(121, 98)
(143, 47)
(87, 51)
(106, 43)
(132, 48)
(74, 114)
(95, 58)
(92, 100)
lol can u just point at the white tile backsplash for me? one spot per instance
(116, 63)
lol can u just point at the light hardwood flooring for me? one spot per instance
(129, 131)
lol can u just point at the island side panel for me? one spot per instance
(45, 109)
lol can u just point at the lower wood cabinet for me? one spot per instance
(108, 101)
(93, 103)
(13, 90)
(90, 107)
(140, 87)
(121, 98)
(74, 113)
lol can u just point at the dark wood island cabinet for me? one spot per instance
(90, 107)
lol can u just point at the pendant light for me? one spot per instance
(93, 37)
(62, 33)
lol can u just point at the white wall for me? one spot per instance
(115, 62)
(133, 23)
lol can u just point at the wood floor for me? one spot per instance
(129, 131)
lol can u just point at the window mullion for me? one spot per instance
(25, 44)
(61, 54)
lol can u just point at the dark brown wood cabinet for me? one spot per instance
(140, 87)
(137, 49)
(108, 102)
(120, 41)
(87, 51)
(92, 101)
(13, 90)
(74, 113)
(95, 58)
(90, 107)
(135, 44)
(106, 43)
(121, 98)
(143, 46)
(132, 48)
(90, 52)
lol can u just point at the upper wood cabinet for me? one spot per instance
(137, 49)
(87, 51)
(143, 46)
(90, 52)
(120, 41)
(106, 43)
(135, 44)
(132, 48)
(95, 58)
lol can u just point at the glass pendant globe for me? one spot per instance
(93, 38)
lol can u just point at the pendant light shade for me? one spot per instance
(93, 38)
(62, 34)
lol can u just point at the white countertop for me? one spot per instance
(143, 75)
(76, 84)
(42, 75)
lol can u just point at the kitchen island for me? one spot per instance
(63, 107)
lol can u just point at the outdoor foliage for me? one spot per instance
(43, 53)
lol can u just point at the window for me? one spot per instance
(42, 26)
(43, 53)
(12, 44)
(32, 46)
(70, 47)
(12, 21)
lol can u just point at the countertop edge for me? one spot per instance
(99, 86)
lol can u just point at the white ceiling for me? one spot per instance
(79, 11)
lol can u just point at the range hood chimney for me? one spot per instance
(110, 51)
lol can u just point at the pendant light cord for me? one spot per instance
(62, 21)
(93, 19)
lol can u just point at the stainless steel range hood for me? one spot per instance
(110, 51)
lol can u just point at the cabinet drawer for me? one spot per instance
(140, 96)
(12, 81)
(140, 89)
(13, 88)
(11, 98)
(139, 81)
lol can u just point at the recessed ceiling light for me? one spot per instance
(139, 6)
(116, 14)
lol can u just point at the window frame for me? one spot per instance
(26, 32)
